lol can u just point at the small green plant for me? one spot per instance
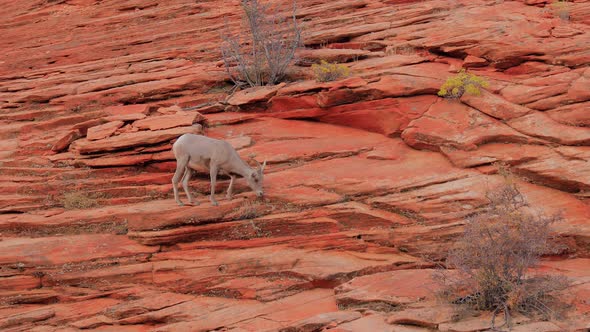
(78, 200)
(561, 9)
(463, 82)
(327, 72)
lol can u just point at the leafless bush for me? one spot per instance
(493, 257)
(265, 46)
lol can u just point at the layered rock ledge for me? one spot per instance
(369, 178)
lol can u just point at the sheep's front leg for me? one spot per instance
(180, 166)
(230, 189)
(188, 173)
(213, 173)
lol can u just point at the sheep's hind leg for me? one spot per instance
(230, 189)
(180, 167)
(213, 173)
(188, 173)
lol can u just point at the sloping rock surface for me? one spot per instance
(369, 178)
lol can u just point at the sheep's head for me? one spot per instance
(255, 179)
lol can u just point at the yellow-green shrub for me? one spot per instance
(327, 72)
(456, 86)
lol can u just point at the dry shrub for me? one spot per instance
(561, 9)
(464, 82)
(78, 200)
(493, 257)
(264, 47)
(400, 50)
(327, 72)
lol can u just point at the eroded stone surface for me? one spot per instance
(103, 131)
(383, 174)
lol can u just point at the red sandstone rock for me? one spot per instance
(128, 160)
(452, 124)
(565, 32)
(129, 140)
(169, 110)
(385, 64)
(168, 121)
(210, 108)
(320, 9)
(227, 118)
(542, 126)
(573, 115)
(288, 103)
(322, 320)
(149, 302)
(376, 322)
(127, 109)
(312, 85)
(495, 106)
(336, 34)
(413, 286)
(522, 95)
(26, 317)
(473, 61)
(387, 86)
(19, 282)
(307, 56)
(92, 322)
(246, 314)
(29, 297)
(128, 128)
(385, 116)
(264, 268)
(480, 323)
(429, 317)
(80, 310)
(65, 141)
(54, 250)
(126, 117)
(83, 126)
(103, 131)
(537, 326)
(254, 94)
(303, 196)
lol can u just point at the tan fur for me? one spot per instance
(196, 151)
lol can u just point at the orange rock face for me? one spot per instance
(103, 131)
(368, 183)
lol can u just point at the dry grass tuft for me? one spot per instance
(78, 200)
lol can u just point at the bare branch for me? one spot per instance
(496, 251)
(262, 51)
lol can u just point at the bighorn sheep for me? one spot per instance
(192, 151)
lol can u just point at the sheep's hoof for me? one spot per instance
(180, 203)
(229, 197)
(214, 203)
